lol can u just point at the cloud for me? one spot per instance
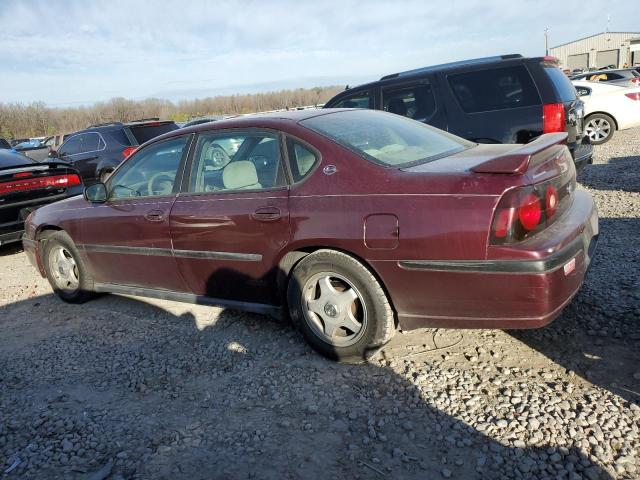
(78, 51)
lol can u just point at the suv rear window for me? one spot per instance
(561, 83)
(494, 89)
(145, 132)
(385, 138)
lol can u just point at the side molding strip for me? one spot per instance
(167, 252)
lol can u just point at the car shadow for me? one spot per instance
(619, 173)
(10, 248)
(181, 391)
(597, 334)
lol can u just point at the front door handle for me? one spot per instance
(154, 215)
(266, 214)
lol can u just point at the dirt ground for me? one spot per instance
(134, 388)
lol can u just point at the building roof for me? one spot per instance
(595, 35)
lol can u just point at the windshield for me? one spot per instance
(387, 139)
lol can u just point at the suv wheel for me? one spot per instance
(65, 270)
(599, 128)
(339, 306)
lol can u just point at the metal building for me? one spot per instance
(600, 50)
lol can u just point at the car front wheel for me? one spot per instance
(599, 128)
(65, 270)
(339, 306)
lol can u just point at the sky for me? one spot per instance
(67, 52)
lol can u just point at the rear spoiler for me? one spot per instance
(518, 161)
(36, 167)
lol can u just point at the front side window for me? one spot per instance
(494, 89)
(71, 146)
(236, 161)
(385, 139)
(414, 101)
(357, 100)
(301, 159)
(150, 172)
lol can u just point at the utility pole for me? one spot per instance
(546, 40)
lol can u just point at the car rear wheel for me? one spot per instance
(339, 306)
(599, 128)
(65, 270)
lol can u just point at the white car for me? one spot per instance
(608, 108)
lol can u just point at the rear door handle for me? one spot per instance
(154, 215)
(266, 214)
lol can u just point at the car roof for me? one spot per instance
(417, 72)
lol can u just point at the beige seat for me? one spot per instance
(240, 175)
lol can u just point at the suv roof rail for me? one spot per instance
(106, 124)
(460, 63)
(140, 120)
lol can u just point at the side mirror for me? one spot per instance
(96, 193)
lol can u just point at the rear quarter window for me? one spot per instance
(561, 84)
(143, 133)
(494, 89)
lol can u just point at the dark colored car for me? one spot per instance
(34, 149)
(505, 99)
(349, 220)
(26, 185)
(4, 144)
(96, 151)
(624, 77)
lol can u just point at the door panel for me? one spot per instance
(125, 246)
(227, 243)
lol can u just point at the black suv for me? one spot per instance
(502, 99)
(96, 151)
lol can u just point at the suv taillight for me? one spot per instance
(633, 96)
(525, 211)
(553, 118)
(126, 153)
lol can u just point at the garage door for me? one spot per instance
(578, 61)
(607, 57)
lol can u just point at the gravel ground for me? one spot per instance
(125, 388)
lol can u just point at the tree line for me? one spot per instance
(36, 119)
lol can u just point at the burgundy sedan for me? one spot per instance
(354, 222)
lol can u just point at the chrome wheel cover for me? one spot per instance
(63, 269)
(334, 309)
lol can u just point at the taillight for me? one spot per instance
(553, 118)
(525, 211)
(128, 151)
(35, 183)
(635, 81)
(633, 96)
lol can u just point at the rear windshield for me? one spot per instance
(12, 159)
(562, 84)
(143, 133)
(387, 139)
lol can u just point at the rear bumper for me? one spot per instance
(508, 292)
(11, 237)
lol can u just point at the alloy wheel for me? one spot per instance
(64, 269)
(597, 129)
(334, 309)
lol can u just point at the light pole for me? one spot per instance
(546, 41)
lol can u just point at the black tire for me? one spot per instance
(56, 244)
(371, 306)
(604, 123)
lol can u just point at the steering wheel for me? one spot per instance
(161, 183)
(217, 158)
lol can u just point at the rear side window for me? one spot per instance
(415, 101)
(90, 142)
(145, 132)
(357, 100)
(495, 89)
(121, 137)
(561, 84)
(301, 159)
